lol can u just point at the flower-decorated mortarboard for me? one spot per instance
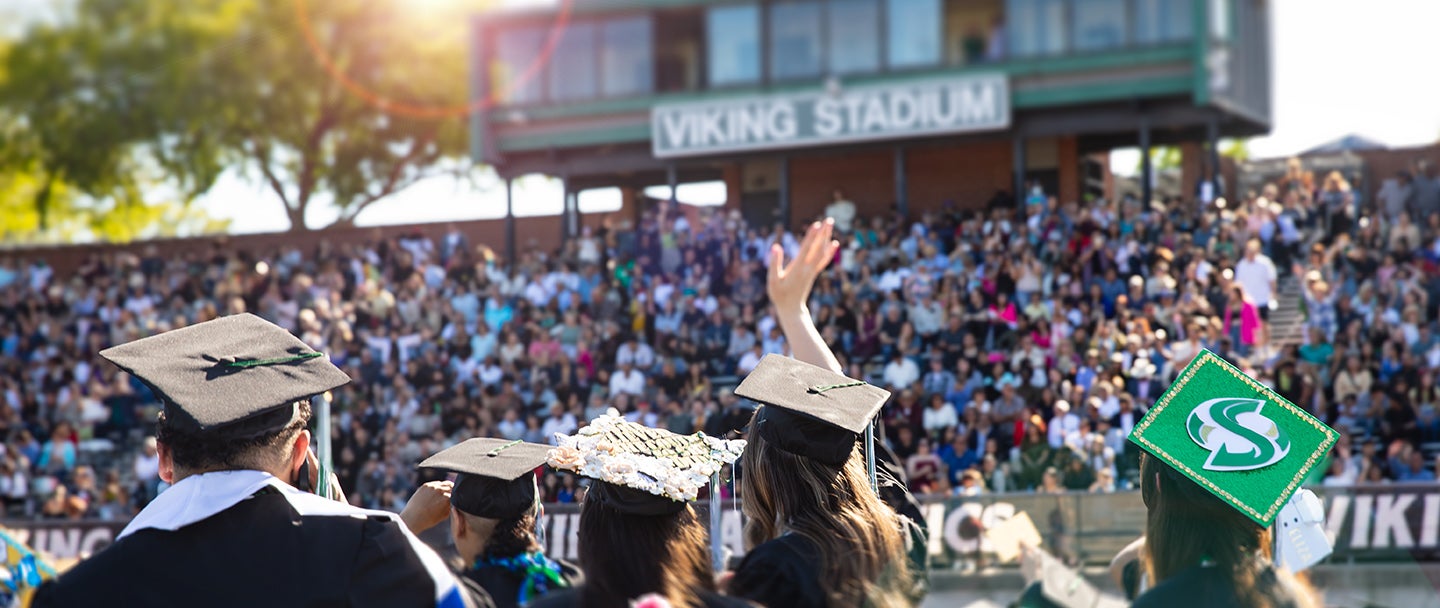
(641, 470)
(495, 478)
(238, 376)
(810, 411)
(1234, 437)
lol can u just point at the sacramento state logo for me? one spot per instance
(1237, 435)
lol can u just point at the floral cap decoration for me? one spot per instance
(656, 461)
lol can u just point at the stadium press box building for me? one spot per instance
(904, 103)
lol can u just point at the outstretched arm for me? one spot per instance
(789, 288)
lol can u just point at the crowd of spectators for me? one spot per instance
(1022, 341)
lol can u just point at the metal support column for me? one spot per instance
(565, 210)
(672, 178)
(784, 218)
(902, 197)
(1018, 170)
(510, 239)
(1212, 138)
(1147, 174)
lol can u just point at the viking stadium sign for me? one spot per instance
(861, 113)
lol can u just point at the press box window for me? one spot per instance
(1099, 24)
(732, 35)
(625, 59)
(516, 51)
(572, 69)
(854, 36)
(913, 28)
(795, 40)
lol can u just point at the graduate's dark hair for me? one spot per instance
(1187, 525)
(862, 548)
(626, 556)
(202, 451)
(512, 536)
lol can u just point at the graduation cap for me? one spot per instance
(1235, 437)
(814, 412)
(642, 470)
(239, 376)
(1057, 586)
(495, 478)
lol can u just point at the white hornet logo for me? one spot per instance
(1237, 435)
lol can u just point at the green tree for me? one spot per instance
(194, 87)
(1236, 149)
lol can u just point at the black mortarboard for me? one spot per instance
(495, 478)
(813, 412)
(239, 375)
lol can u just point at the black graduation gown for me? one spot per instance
(503, 585)
(1203, 587)
(259, 552)
(570, 598)
(782, 572)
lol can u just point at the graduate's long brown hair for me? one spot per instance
(862, 550)
(1187, 525)
(626, 556)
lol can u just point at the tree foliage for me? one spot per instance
(191, 88)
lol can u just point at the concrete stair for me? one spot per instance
(1287, 321)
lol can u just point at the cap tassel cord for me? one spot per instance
(816, 390)
(274, 361)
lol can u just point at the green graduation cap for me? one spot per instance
(1233, 436)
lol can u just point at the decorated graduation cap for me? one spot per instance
(642, 470)
(495, 478)
(238, 376)
(812, 412)
(1234, 437)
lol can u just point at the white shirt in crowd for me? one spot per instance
(748, 361)
(938, 420)
(147, 467)
(630, 383)
(901, 374)
(1256, 277)
(843, 212)
(650, 419)
(565, 424)
(512, 429)
(640, 355)
(1064, 430)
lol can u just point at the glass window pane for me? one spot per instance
(795, 39)
(572, 69)
(854, 36)
(1037, 27)
(733, 44)
(516, 49)
(625, 57)
(1220, 19)
(1099, 24)
(913, 27)
(1161, 21)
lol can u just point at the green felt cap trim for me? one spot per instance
(1235, 437)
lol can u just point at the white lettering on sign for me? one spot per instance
(867, 112)
(1360, 531)
(1390, 521)
(1429, 520)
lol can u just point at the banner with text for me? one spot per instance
(933, 106)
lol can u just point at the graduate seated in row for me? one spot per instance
(240, 526)
(492, 507)
(817, 532)
(639, 536)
